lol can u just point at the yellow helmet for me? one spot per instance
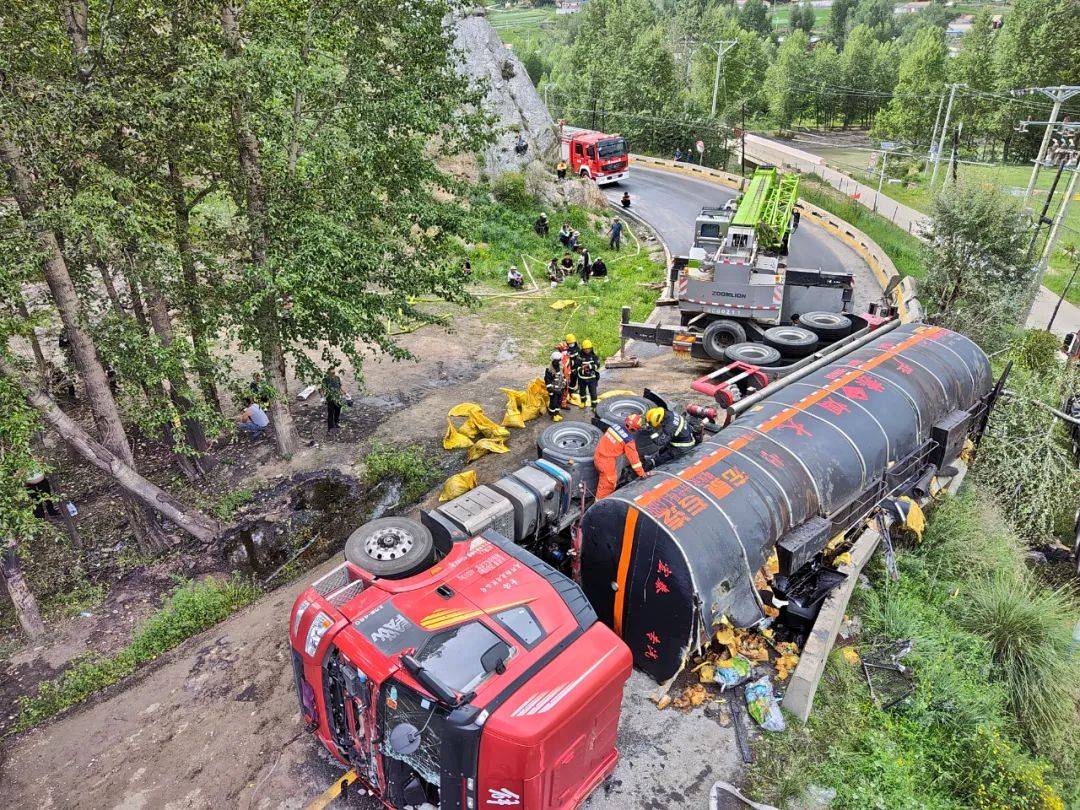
(654, 416)
(586, 344)
(571, 339)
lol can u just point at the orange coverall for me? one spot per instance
(616, 441)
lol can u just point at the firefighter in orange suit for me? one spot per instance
(617, 441)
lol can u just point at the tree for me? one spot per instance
(754, 16)
(839, 21)
(857, 75)
(743, 65)
(974, 67)
(825, 67)
(974, 253)
(878, 16)
(784, 79)
(803, 17)
(921, 75)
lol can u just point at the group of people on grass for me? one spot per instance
(576, 258)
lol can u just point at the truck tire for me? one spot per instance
(791, 341)
(614, 410)
(719, 335)
(569, 441)
(828, 326)
(392, 547)
(756, 354)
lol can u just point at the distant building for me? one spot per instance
(569, 6)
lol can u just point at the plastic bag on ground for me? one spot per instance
(454, 439)
(457, 485)
(762, 705)
(484, 446)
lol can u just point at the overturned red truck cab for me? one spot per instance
(483, 680)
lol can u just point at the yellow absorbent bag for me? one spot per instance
(457, 485)
(476, 423)
(484, 446)
(513, 418)
(454, 439)
(563, 303)
(536, 400)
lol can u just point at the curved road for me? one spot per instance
(671, 201)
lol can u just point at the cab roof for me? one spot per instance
(478, 581)
(592, 137)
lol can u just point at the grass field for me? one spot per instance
(1008, 179)
(525, 27)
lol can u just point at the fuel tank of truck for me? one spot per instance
(664, 558)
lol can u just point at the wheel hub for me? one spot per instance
(388, 544)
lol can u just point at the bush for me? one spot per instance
(1029, 630)
(410, 465)
(1035, 350)
(509, 189)
(190, 609)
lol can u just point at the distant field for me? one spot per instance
(525, 26)
(781, 16)
(1008, 179)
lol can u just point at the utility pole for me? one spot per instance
(885, 147)
(944, 129)
(937, 121)
(742, 149)
(1055, 232)
(1042, 220)
(722, 47)
(954, 155)
(1059, 95)
(1072, 277)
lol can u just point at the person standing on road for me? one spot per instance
(555, 382)
(618, 440)
(588, 375)
(615, 242)
(331, 386)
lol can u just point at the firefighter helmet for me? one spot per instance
(586, 345)
(571, 339)
(654, 416)
(633, 422)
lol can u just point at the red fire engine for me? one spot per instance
(602, 157)
(484, 680)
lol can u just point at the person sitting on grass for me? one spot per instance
(566, 265)
(553, 272)
(253, 420)
(514, 278)
(564, 235)
(598, 267)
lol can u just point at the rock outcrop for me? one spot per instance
(540, 181)
(511, 98)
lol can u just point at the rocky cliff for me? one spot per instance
(511, 97)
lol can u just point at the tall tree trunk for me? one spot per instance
(106, 414)
(193, 429)
(273, 357)
(204, 364)
(110, 285)
(196, 523)
(35, 344)
(137, 305)
(26, 608)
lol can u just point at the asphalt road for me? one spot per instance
(670, 202)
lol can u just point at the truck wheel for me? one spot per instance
(791, 341)
(828, 326)
(392, 547)
(756, 354)
(569, 441)
(719, 335)
(614, 410)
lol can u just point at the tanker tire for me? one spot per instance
(719, 335)
(569, 441)
(755, 354)
(791, 341)
(614, 410)
(828, 326)
(392, 547)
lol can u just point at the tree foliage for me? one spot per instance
(783, 87)
(920, 78)
(974, 255)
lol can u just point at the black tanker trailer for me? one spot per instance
(666, 557)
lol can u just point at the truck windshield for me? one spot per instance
(613, 148)
(454, 656)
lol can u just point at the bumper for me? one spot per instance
(612, 178)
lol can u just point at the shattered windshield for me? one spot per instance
(613, 148)
(454, 656)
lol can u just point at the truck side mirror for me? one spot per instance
(494, 659)
(404, 739)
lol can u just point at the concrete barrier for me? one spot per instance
(878, 260)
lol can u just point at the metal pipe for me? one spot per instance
(821, 362)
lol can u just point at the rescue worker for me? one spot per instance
(560, 169)
(555, 382)
(588, 375)
(617, 441)
(676, 435)
(541, 225)
(573, 351)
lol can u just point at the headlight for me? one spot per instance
(318, 629)
(303, 606)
